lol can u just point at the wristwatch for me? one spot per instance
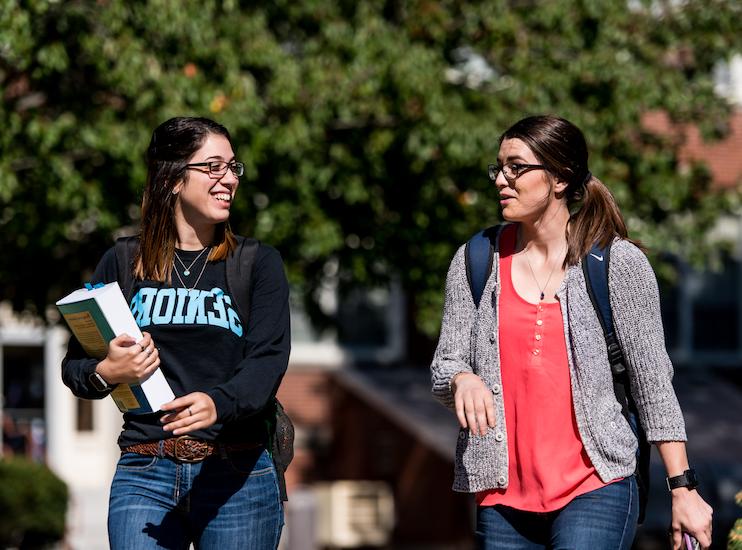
(97, 381)
(687, 479)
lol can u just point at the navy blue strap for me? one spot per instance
(479, 252)
(595, 268)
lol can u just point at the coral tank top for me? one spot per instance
(547, 463)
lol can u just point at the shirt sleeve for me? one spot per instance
(268, 343)
(77, 366)
(635, 302)
(453, 353)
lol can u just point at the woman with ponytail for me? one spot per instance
(543, 441)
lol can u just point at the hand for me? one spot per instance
(128, 361)
(195, 411)
(691, 514)
(475, 405)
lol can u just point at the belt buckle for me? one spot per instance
(189, 456)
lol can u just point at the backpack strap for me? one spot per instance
(126, 250)
(478, 256)
(239, 266)
(595, 267)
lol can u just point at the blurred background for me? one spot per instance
(365, 128)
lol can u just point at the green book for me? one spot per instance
(98, 315)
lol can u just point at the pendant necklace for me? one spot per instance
(187, 270)
(540, 288)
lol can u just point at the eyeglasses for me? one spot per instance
(512, 170)
(218, 168)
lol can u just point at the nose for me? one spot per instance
(501, 181)
(229, 180)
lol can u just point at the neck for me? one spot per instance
(190, 238)
(547, 235)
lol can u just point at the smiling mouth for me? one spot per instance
(225, 197)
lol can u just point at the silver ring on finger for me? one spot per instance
(148, 351)
(141, 347)
(190, 412)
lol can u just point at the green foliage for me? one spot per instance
(33, 502)
(365, 127)
(735, 535)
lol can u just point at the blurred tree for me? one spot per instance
(365, 127)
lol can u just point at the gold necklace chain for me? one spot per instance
(175, 268)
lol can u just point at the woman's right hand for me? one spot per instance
(475, 404)
(128, 361)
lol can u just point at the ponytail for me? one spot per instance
(598, 220)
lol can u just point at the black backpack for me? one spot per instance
(239, 266)
(479, 254)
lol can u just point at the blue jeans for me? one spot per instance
(223, 502)
(603, 519)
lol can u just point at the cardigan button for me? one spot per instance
(502, 480)
(496, 389)
(462, 435)
(493, 337)
(499, 436)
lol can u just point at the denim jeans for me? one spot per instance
(223, 502)
(603, 519)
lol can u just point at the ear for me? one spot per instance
(560, 187)
(177, 187)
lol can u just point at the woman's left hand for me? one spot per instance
(195, 411)
(692, 515)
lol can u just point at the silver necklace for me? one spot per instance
(175, 268)
(540, 288)
(187, 270)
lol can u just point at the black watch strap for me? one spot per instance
(687, 479)
(97, 381)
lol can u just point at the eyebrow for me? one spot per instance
(511, 158)
(218, 157)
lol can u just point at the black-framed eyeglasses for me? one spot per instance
(511, 170)
(219, 167)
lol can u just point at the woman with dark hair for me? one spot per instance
(198, 471)
(543, 441)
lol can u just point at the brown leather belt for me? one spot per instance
(186, 448)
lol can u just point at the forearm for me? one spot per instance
(673, 457)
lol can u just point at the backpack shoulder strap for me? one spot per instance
(126, 250)
(595, 267)
(239, 266)
(478, 256)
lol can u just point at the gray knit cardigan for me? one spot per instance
(469, 343)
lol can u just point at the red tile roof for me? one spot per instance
(723, 157)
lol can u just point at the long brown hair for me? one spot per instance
(560, 146)
(173, 143)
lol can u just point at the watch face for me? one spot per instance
(97, 381)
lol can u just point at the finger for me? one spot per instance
(460, 414)
(490, 408)
(175, 416)
(481, 412)
(471, 415)
(677, 539)
(123, 340)
(178, 403)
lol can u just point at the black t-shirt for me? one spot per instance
(204, 345)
